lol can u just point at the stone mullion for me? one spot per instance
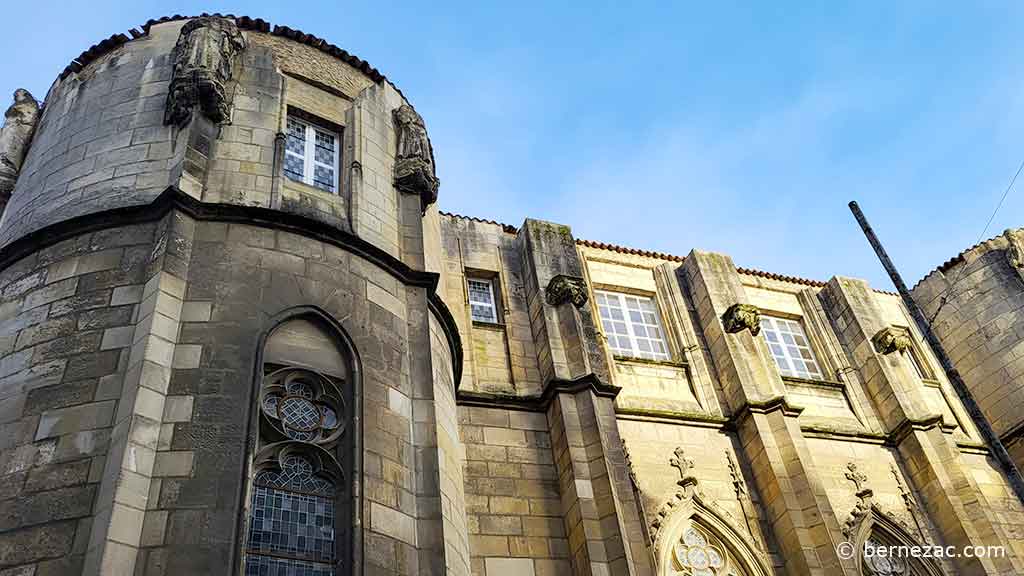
(133, 462)
(801, 518)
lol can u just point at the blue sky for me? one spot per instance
(737, 128)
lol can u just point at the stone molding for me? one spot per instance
(174, 199)
(563, 288)
(204, 62)
(538, 402)
(742, 316)
(891, 339)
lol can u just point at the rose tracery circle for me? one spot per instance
(698, 557)
(302, 405)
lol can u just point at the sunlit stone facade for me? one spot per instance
(238, 337)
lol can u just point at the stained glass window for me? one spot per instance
(302, 405)
(291, 531)
(311, 155)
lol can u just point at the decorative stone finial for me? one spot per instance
(15, 137)
(414, 162)
(891, 339)
(858, 478)
(562, 289)
(1015, 250)
(204, 61)
(742, 316)
(684, 464)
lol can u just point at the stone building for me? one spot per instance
(238, 337)
(977, 303)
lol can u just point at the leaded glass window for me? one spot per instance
(311, 155)
(789, 347)
(632, 325)
(481, 300)
(291, 532)
(299, 499)
(302, 405)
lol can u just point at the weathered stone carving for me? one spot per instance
(15, 136)
(891, 339)
(864, 496)
(562, 289)
(204, 61)
(742, 316)
(414, 162)
(1015, 250)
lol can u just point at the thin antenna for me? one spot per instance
(987, 433)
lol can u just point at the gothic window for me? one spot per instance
(632, 325)
(299, 520)
(311, 154)
(790, 348)
(698, 553)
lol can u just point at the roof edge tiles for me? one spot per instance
(244, 23)
(654, 254)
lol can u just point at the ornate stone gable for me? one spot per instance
(204, 62)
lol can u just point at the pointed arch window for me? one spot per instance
(300, 510)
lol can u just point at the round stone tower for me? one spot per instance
(977, 302)
(218, 249)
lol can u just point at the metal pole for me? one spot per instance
(989, 435)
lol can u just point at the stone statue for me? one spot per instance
(1015, 250)
(742, 316)
(414, 162)
(891, 339)
(204, 61)
(564, 289)
(19, 123)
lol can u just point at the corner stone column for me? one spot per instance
(934, 461)
(138, 457)
(798, 509)
(601, 514)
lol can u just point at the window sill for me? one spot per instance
(814, 382)
(309, 188)
(488, 325)
(633, 360)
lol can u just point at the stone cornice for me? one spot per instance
(174, 199)
(537, 402)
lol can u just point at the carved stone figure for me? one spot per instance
(742, 316)
(1015, 250)
(891, 339)
(15, 136)
(204, 61)
(414, 162)
(564, 289)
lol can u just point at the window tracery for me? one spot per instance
(699, 553)
(300, 519)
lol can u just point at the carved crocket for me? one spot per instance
(204, 62)
(15, 137)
